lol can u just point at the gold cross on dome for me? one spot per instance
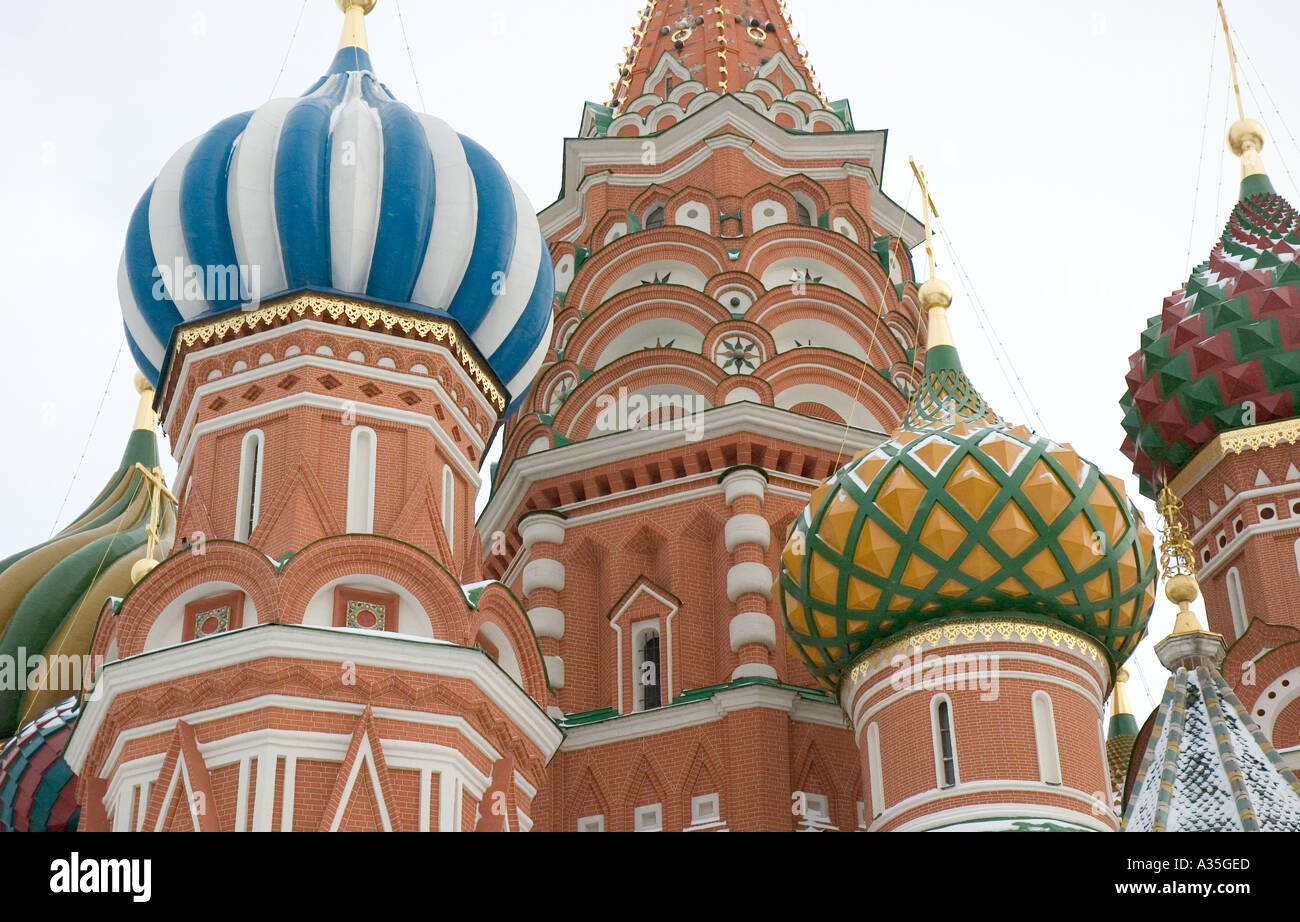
(928, 208)
(157, 490)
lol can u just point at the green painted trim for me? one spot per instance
(1122, 725)
(1259, 184)
(942, 358)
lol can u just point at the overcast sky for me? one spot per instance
(1063, 142)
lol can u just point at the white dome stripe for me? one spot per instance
(145, 338)
(251, 197)
(451, 242)
(520, 280)
(168, 238)
(356, 179)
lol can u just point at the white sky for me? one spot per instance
(1062, 141)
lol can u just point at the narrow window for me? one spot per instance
(361, 481)
(249, 499)
(873, 765)
(648, 672)
(655, 218)
(1049, 756)
(449, 505)
(802, 214)
(1236, 602)
(945, 752)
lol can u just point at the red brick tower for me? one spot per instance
(737, 317)
(319, 651)
(1212, 410)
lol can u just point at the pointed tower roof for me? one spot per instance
(687, 54)
(1206, 765)
(722, 47)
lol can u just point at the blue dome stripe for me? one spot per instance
(302, 188)
(407, 201)
(349, 60)
(159, 313)
(147, 368)
(513, 354)
(495, 239)
(423, 218)
(205, 218)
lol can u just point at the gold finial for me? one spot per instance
(1246, 136)
(1178, 562)
(157, 487)
(1119, 703)
(146, 419)
(354, 25)
(935, 294)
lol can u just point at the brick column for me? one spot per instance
(542, 533)
(749, 581)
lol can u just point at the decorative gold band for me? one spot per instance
(351, 313)
(975, 630)
(1269, 435)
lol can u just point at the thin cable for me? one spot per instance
(287, 51)
(85, 448)
(1227, 113)
(991, 336)
(1205, 129)
(1250, 85)
(410, 57)
(848, 424)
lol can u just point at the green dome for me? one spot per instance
(960, 514)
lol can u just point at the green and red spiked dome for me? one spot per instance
(1224, 353)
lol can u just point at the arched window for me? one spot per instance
(655, 218)
(1049, 756)
(361, 481)
(1237, 602)
(648, 674)
(802, 215)
(249, 498)
(449, 505)
(945, 744)
(873, 766)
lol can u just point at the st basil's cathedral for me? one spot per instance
(757, 555)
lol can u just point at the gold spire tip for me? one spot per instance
(935, 294)
(1246, 136)
(1119, 702)
(354, 23)
(1178, 562)
(145, 418)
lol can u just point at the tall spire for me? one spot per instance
(946, 396)
(721, 46)
(1246, 136)
(935, 294)
(354, 23)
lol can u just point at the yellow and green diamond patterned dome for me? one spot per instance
(962, 514)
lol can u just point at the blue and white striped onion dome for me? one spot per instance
(342, 190)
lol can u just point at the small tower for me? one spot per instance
(338, 298)
(968, 590)
(1121, 734)
(1213, 408)
(1206, 766)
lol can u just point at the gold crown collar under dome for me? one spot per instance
(350, 313)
